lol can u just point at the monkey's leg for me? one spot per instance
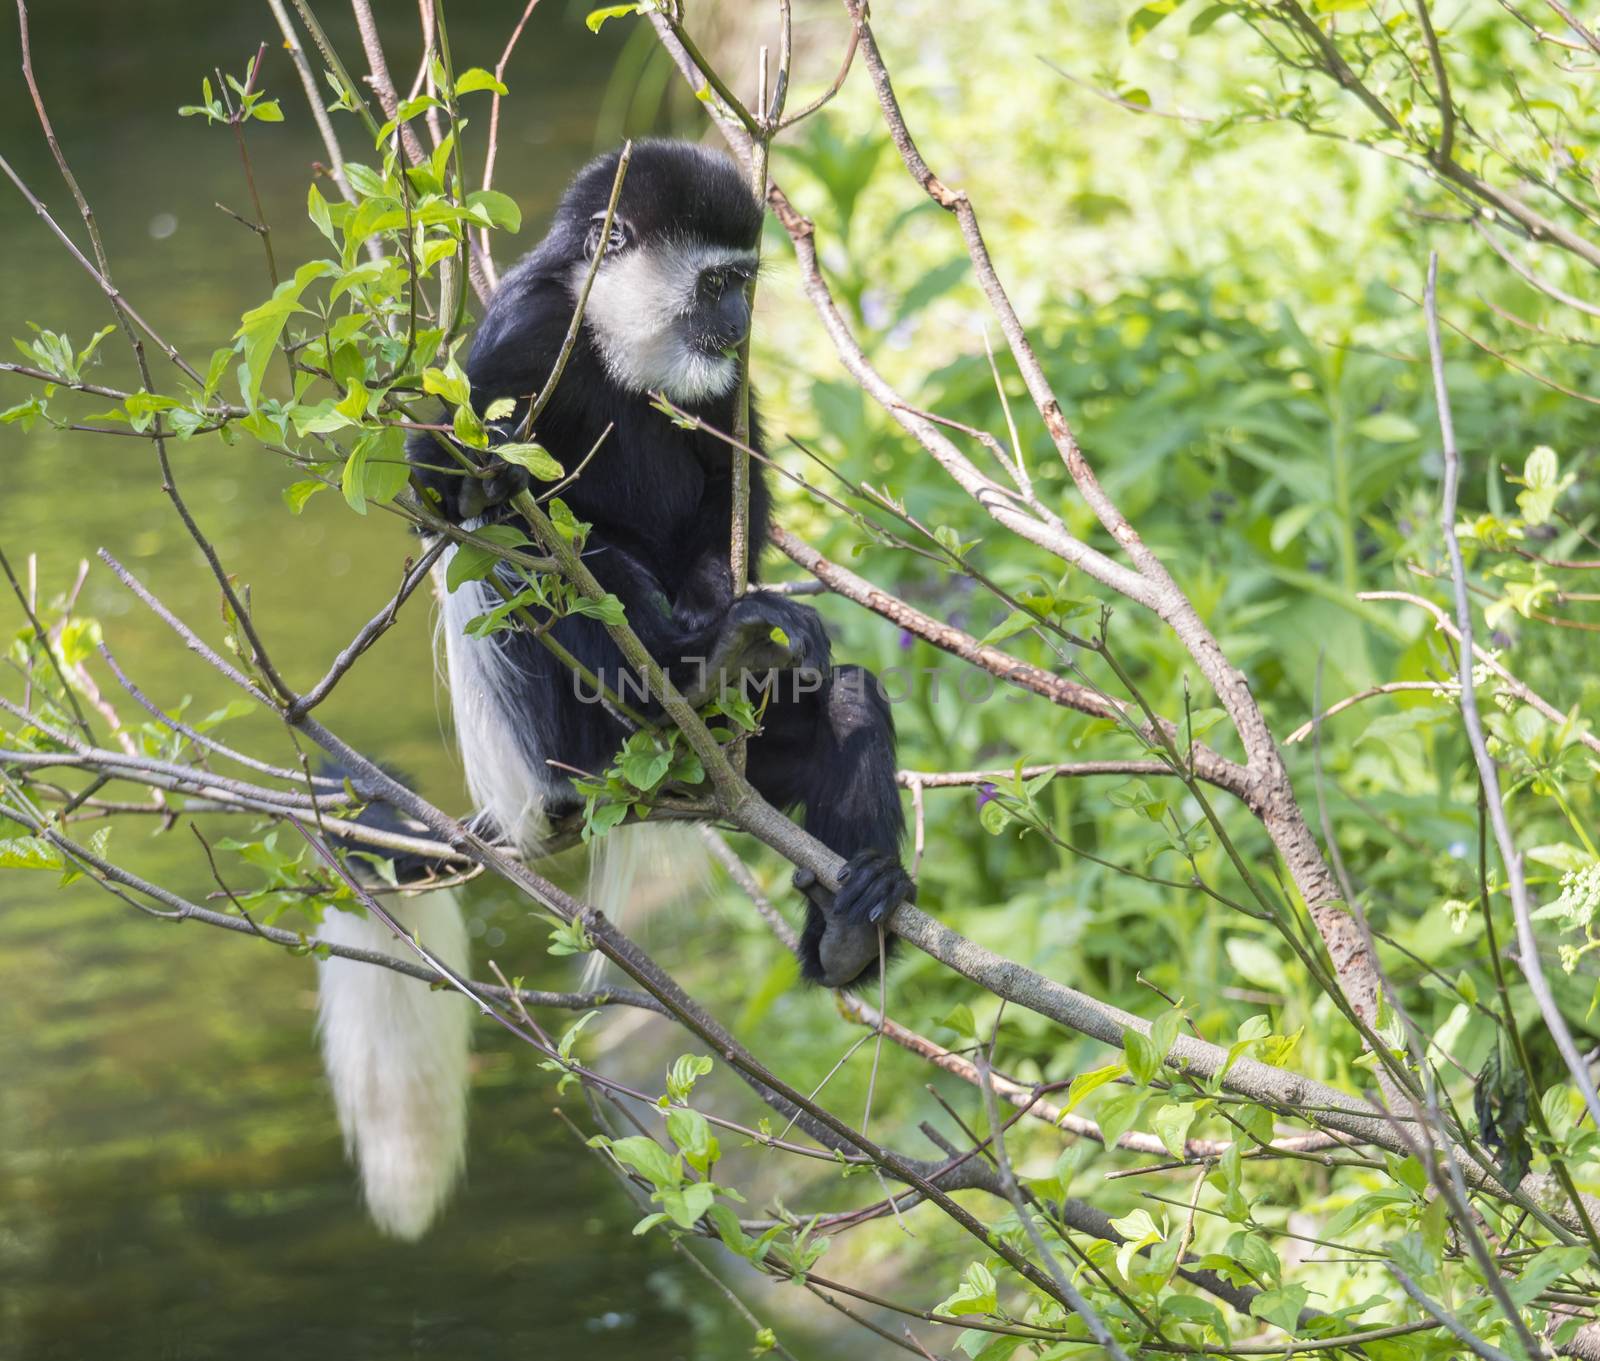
(831, 750)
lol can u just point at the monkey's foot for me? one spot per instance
(873, 883)
(763, 634)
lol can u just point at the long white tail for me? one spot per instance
(643, 866)
(396, 1057)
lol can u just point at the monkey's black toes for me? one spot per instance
(874, 883)
(842, 944)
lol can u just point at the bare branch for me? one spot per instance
(319, 114)
(485, 251)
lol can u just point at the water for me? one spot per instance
(171, 1181)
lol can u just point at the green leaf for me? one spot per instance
(1257, 963)
(534, 457)
(597, 17)
(1207, 17)
(1363, 1207)
(1387, 427)
(1144, 1062)
(1255, 1255)
(28, 853)
(569, 1036)
(1119, 1112)
(646, 1157)
(1545, 1269)
(1095, 1078)
(686, 1069)
(495, 209)
(478, 79)
(1171, 1124)
(1014, 623)
(608, 609)
(1541, 469)
(977, 1294)
(1281, 1306)
(645, 767)
(1147, 18)
(691, 1132)
(1193, 1309)
(473, 562)
(1164, 1031)
(468, 429)
(687, 1204)
(962, 1022)
(317, 211)
(261, 327)
(376, 469)
(1288, 527)
(449, 382)
(78, 640)
(1140, 1231)
(993, 817)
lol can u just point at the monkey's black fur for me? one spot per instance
(659, 499)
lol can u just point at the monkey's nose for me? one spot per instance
(726, 321)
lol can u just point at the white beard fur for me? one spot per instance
(633, 313)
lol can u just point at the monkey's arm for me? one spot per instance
(702, 636)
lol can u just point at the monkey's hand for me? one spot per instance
(497, 483)
(873, 883)
(763, 633)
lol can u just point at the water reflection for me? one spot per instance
(170, 1178)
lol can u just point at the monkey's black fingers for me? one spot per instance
(874, 884)
(505, 480)
(744, 647)
(795, 633)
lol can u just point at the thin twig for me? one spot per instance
(486, 254)
(1521, 909)
(1008, 1181)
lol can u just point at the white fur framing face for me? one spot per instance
(637, 313)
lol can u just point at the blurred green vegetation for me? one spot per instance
(1221, 265)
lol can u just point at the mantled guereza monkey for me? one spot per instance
(669, 305)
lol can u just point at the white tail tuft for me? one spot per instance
(646, 865)
(396, 1057)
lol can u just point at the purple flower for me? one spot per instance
(908, 640)
(986, 792)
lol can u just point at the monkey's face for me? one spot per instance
(668, 314)
(670, 303)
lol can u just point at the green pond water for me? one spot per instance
(171, 1179)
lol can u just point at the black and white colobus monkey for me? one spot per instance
(669, 303)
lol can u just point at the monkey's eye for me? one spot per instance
(620, 238)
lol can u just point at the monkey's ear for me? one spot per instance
(621, 236)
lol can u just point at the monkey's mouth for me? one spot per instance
(718, 345)
(719, 334)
